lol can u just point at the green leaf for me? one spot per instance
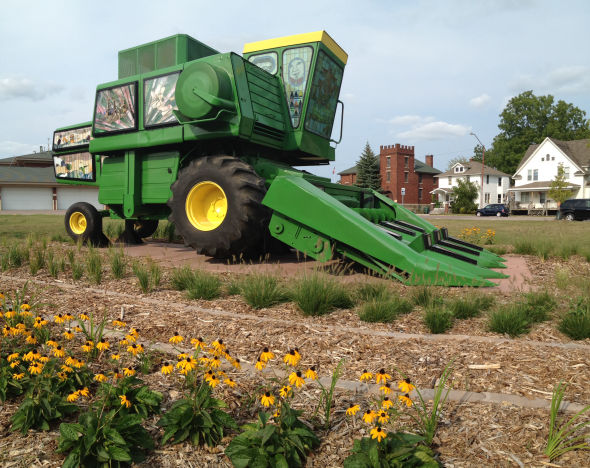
(281, 461)
(72, 460)
(267, 432)
(114, 436)
(119, 454)
(70, 431)
(357, 460)
(374, 455)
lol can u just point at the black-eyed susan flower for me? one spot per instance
(129, 371)
(73, 396)
(12, 357)
(291, 358)
(117, 374)
(214, 381)
(62, 376)
(124, 401)
(182, 356)
(66, 369)
(405, 386)
(51, 343)
(102, 345)
(116, 357)
(382, 376)
(13, 364)
(100, 378)
(198, 343)
(167, 368)
(369, 416)
(70, 361)
(134, 332)
(68, 334)
(25, 306)
(31, 355)
(406, 400)
(133, 349)
(236, 363)
(208, 375)
(366, 376)
(18, 376)
(6, 330)
(311, 373)
(68, 317)
(285, 391)
(218, 345)
(296, 379)
(385, 389)
(59, 318)
(36, 368)
(83, 317)
(58, 352)
(78, 329)
(378, 433)
(221, 373)
(214, 363)
(39, 323)
(230, 382)
(78, 364)
(260, 365)
(352, 410)
(382, 417)
(44, 359)
(84, 392)
(190, 364)
(267, 399)
(176, 339)
(386, 403)
(88, 346)
(266, 355)
(118, 324)
(31, 340)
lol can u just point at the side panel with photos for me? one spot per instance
(116, 109)
(73, 138)
(160, 100)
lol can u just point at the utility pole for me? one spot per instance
(483, 161)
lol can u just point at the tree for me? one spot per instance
(455, 160)
(465, 194)
(368, 175)
(559, 191)
(478, 153)
(528, 119)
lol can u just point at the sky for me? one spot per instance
(424, 73)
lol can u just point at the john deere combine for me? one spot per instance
(207, 140)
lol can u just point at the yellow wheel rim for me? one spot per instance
(206, 206)
(78, 223)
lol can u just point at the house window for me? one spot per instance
(499, 198)
(525, 197)
(542, 197)
(532, 174)
(450, 180)
(535, 174)
(419, 178)
(486, 197)
(499, 181)
(468, 179)
(388, 159)
(529, 175)
(406, 177)
(406, 161)
(566, 172)
(487, 178)
(419, 194)
(388, 176)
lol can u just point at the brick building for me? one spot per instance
(399, 168)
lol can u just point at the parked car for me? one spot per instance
(495, 209)
(575, 208)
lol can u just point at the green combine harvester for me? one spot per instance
(208, 141)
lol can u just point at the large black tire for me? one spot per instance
(244, 219)
(83, 222)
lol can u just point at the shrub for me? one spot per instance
(576, 322)
(182, 278)
(94, 266)
(317, 294)
(261, 290)
(510, 320)
(438, 319)
(204, 286)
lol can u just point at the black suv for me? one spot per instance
(575, 208)
(495, 209)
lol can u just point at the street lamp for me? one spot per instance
(483, 160)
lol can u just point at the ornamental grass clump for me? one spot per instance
(94, 266)
(576, 322)
(424, 296)
(118, 263)
(53, 265)
(371, 291)
(317, 294)
(384, 310)
(262, 290)
(143, 277)
(438, 319)
(511, 320)
(36, 261)
(470, 306)
(182, 278)
(539, 306)
(77, 270)
(17, 255)
(204, 285)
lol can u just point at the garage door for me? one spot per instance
(26, 198)
(67, 196)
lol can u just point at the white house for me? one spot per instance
(538, 169)
(495, 183)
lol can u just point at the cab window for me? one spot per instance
(267, 61)
(116, 109)
(296, 64)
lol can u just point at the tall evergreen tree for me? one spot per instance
(368, 175)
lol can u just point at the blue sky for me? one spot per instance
(421, 73)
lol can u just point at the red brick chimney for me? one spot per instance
(429, 160)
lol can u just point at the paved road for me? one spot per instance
(501, 219)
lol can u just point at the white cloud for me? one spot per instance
(14, 88)
(563, 80)
(480, 101)
(15, 148)
(435, 131)
(409, 120)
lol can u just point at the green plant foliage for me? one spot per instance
(465, 194)
(283, 444)
(17, 255)
(423, 295)
(144, 402)
(182, 278)
(565, 436)
(470, 306)
(104, 438)
(37, 261)
(318, 294)
(94, 266)
(539, 305)
(384, 310)
(38, 410)
(262, 290)
(155, 274)
(371, 290)
(77, 270)
(118, 263)
(197, 418)
(143, 277)
(326, 400)
(52, 264)
(510, 320)
(368, 173)
(397, 449)
(204, 286)
(438, 319)
(576, 322)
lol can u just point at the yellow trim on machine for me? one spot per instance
(318, 36)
